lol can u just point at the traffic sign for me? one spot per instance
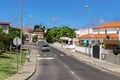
(16, 41)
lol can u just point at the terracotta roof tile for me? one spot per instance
(108, 25)
(26, 30)
(4, 23)
(97, 36)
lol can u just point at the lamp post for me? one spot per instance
(119, 39)
(30, 27)
(88, 9)
(21, 18)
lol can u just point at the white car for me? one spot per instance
(45, 47)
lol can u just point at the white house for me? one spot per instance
(100, 32)
(5, 26)
(83, 31)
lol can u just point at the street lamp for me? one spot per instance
(21, 17)
(88, 8)
(30, 27)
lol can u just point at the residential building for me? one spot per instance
(26, 31)
(40, 33)
(81, 32)
(100, 33)
(5, 26)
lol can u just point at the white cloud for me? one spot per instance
(54, 20)
(102, 20)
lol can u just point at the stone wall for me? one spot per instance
(111, 58)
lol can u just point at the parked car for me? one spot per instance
(45, 47)
(116, 49)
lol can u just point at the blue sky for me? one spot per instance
(60, 12)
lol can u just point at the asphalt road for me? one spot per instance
(56, 65)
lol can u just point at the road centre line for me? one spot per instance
(69, 70)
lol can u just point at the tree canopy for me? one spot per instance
(13, 32)
(39, 28)
(54, 34)
(5, 38)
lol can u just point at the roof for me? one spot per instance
(26, 29)
(17, 27)
(97, 36)
(108, 25)
(4, 23)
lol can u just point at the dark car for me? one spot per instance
(116, 49)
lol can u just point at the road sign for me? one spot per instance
(16, 41)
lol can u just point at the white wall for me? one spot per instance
(5, 28)
(83, 31)
(84, 50)
(102, 31)
(107, 51)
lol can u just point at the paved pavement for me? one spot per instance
(103, 65)
(30, 67)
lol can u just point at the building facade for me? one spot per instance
(111, 31)
(101, 32)
(5, 26)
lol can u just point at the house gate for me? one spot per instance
(96, 51)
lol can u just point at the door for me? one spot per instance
(96, 51)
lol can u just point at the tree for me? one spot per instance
(13, 32)
(1, 31)
(107, 37)
(1, 42)
(39, 28)
(5, 39)
(47, 35)
(54, 34)
(36, 27)
(35, 38)
(67, 32)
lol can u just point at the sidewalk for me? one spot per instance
(27, 70)
(103, 65)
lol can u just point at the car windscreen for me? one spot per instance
(45, 45)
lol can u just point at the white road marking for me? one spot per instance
(81, 60)
(61, 55)
(50, 55)
(55, 55)
(75, 75)
(44, 55)
(47, 58)
(38, 55)
(70, 71)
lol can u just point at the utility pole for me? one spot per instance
(30, 27)
(21, 19)
(88, 8)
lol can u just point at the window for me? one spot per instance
(98, 31)
(4, 27)
(105, 31)
(117, 32)
(45, 45)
